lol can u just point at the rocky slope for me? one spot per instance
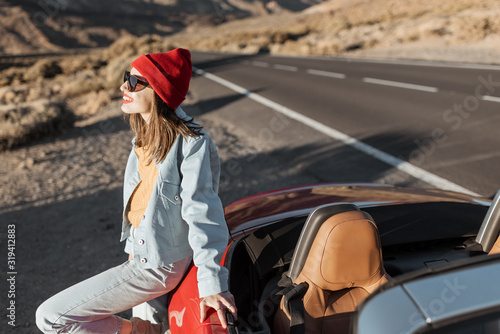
(29, 26)
(360, 27)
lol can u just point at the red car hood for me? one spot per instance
(254, 211)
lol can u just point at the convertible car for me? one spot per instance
(355, 258)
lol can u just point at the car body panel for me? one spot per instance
(184, 307)
(405, 314)
(432, 299)
(245, 215)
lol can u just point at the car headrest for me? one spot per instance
(311, 227)
(345, 253)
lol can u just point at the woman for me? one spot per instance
(172, 213)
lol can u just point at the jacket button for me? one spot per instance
(144, 217)
(143, 260)
(141, 242)
(176, 197)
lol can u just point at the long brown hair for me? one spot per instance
(158, 135)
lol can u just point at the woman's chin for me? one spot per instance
(125, 109)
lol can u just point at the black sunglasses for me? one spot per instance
(132, 81)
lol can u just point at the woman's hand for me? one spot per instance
(220, 302)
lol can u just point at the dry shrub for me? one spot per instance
(153, 44)
(259, 40)
(86, 84)
(21, 123)
(83, 83)
(130, 46)
(77, 63)
(11, 75)
(7, 95)
(475, 27)
(125, 46)
(113, 73)
(91, 103)
(44, 68)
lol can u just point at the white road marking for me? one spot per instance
(285, 68)
(400, 85)
(491, 98)
(404, 166)
(326, 74)
(260, 63)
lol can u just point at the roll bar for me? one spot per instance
(490, 228)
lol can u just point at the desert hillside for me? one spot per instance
(29, 26)
(342, 27)
(293, 26)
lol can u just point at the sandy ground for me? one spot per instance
(484, 52)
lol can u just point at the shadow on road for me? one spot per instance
(328, 161)
(58, 245)
(207, 106)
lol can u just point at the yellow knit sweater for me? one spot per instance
(142, 193)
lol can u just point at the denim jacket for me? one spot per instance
(184, 216)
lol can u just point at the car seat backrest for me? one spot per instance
(344, 266)
(310, 230)
(495, 249)
(345, 254)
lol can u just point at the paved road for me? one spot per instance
(437, 120)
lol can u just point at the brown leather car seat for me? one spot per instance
(496, 247)
(343, 267)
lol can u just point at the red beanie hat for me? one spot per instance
(168, 73)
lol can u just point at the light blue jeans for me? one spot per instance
(90, 306)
